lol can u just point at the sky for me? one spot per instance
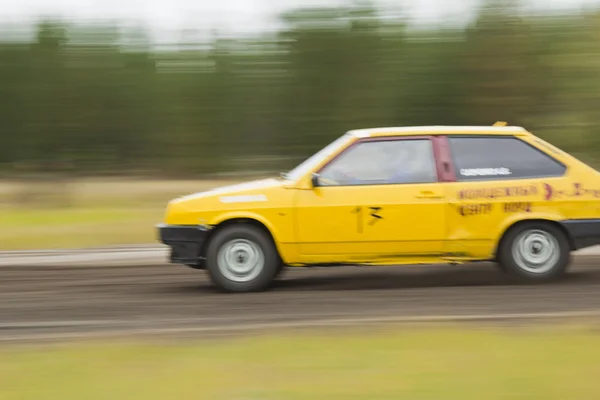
(239, 16)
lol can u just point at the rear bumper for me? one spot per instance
(185, 241)
(583, 232)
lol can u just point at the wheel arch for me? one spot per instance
(516, 224)
(237, 220)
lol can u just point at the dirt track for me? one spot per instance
(63, 300)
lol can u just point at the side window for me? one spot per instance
(496, 158)
(382, 162)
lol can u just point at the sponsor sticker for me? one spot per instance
(550, 192)
(243, 199)
(468, 210)
(497, 192)
(517, 207)
(485, 172)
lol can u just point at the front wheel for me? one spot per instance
(535, 252)
(242, 258)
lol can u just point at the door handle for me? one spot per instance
(429, 195)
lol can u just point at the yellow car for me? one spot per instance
(389, 196)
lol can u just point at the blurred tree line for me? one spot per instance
(102, 99)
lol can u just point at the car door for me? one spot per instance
(380, 198)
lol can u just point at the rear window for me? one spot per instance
(496, 158)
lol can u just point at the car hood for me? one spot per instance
(252, 188)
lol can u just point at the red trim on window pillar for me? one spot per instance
(443, 157)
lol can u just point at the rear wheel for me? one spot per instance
(242, 258)
(535, 252)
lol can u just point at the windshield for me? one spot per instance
(317, 158)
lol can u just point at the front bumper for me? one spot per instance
(186, 242)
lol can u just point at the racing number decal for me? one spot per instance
(374, 213)
(358, 211)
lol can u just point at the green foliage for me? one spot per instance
(100, 99)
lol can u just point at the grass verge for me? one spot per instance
(426, 364)
(87, 213)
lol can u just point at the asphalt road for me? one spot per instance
(74, 299)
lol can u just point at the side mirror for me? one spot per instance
(315, 180)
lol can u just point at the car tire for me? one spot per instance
(534, 252)
(242, 258)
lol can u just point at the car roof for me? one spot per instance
(437, 130)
